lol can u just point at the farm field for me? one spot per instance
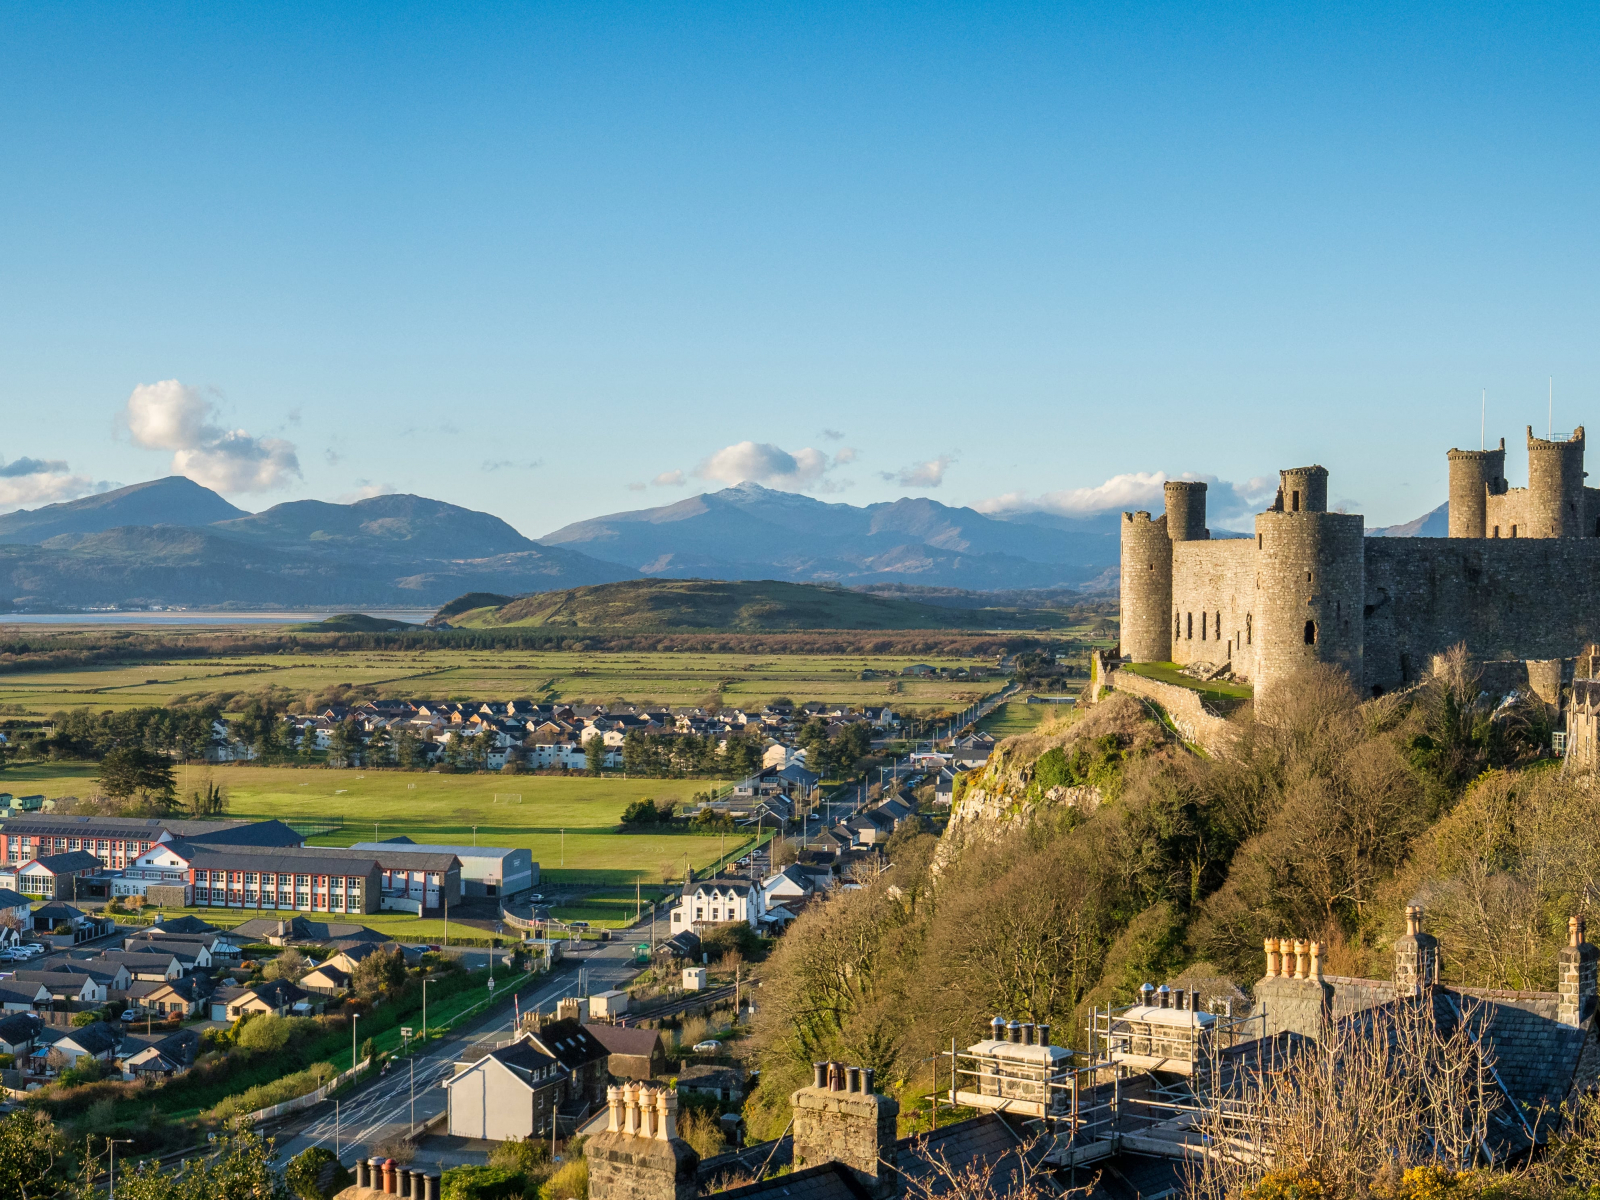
(596, 677)
(451, 809)
(1017, 717)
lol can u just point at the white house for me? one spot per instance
(707, 902)
(16, 906)
(511, 1092)
(791, 883)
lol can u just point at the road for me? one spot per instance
(384, 1106)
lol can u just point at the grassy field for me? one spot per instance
(568, 822)
(734, 680)
(1016, 717)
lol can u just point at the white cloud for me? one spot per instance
(762, 462)
(366, 490)
(1226, 502)
(928, 474)
(33, 481)
(846, 455)
(669, 479)
(170, 416)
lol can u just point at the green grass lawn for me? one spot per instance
(1018, 717)
(569, 822)
(1168, 673)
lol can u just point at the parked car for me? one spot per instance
(577, 924)
(707, 1047)
(129, 1014)
(535, 898)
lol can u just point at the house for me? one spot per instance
(64, 985)
(215, 945)
(583, 1057)
(491, 871)
(514, 1091)
(95, 1040)
(792, 882)
(19, 997)
(723, 1082)
(290, 931)
(59, 876)
(177, 997)
(20, 909)
(158, 1056)
(18, 1032)
(944, 788)
(277, 996)
(63, 921)
(144, 965)
(707, 902)
(189, 954)
(870, 828)
(114, 977)
(633, 1053)
(326, 980)
(972, 751)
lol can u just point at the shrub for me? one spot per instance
(79, 1020)
(267, 1094)
(269, 1032)
(524, 1155)
(571, 1182)
(482, 1183)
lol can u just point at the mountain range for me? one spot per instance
(172, 542)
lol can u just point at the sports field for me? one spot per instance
(1017, 717)
(731, 680)
(568, 822)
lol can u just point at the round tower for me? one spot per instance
(1474, 476)
(1186, 511)
(1311, 586)
(1146, 588)
(1304, 489)
(1555, 486)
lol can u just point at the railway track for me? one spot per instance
(677, 1004)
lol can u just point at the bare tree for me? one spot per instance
(1018, 1174)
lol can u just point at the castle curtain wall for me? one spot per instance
(1211, 578)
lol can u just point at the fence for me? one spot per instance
(304, 826)
(310, 1098)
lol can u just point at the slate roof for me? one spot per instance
(57, 983)
(981, 1138)
(95, 1037)
(829, 1181)
(339, 933)
(19, 993)
(624, 1039)
(286, 860)
(570, 1043)
(10, 899)
(19, 1027)
(524, 1057)
(710, 1077)
(185, 925)
(69, 863)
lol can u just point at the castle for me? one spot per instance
(1514, 579)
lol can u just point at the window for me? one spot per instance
(1513, 531)
(1218, 629)
(1202, 627)
(1311, 633)
(1296, 496)
(1260, 540)
(1249, 633)
(1496, 532)
(1308, 576)
(1177, 625)
(1191, 626)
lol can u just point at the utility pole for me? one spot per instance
(413, 1092)
(354, 1017)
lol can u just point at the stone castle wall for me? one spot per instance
(1183, 706)
(1214, 582)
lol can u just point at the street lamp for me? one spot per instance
(425, 984)
(111, 1179)
(354, 1017)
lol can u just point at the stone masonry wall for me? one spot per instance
(1184, 706)
(856, 1129)
(1529, 598)
(1211, 578)
(628, 1167)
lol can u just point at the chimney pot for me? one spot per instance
(819, 1073)
(1316, 962)
(1027, 1033)
(1014, 1032)
(997, 1029)
(1147, 995)
(1575, 931)
(852, 1079)
(1411, 919)
(1043, 1033)
(1271, 947)
(1300, 963)
(867, 1074)
(1164, 996)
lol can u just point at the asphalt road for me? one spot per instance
(384, 1106)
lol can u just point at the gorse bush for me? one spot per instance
(266, 1095)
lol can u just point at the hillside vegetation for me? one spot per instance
(1096, 853)
(746, 607)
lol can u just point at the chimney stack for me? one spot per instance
(639, 1155)
(1416, 956)
(1575, 967)
(854, 1127)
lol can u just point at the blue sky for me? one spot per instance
(553, 261)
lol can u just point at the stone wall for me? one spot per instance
(625, 1166)
(1293, 1005)
(1212, 581)
(856, 1129)
(1183, 705)
(1531, 598)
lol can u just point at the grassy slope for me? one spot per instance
(445, 808)
(752, 606)
(1017, 717)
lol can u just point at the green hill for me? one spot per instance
(752, 606)
(355, 623)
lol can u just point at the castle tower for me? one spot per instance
(1475, 475)
(1303, 489)
(1186, 511)
(1311, 582)
(1147, 587)
(1555, 486)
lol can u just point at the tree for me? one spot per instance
(344, 743)
(306, 1169)
(290, 965)
(210, 801)
(380, 971)
(132, 772)
(594, 753)
(380, 745)
(407, 750)
(241, 1169)
(30, 1149)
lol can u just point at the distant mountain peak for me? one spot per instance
(174, 500)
